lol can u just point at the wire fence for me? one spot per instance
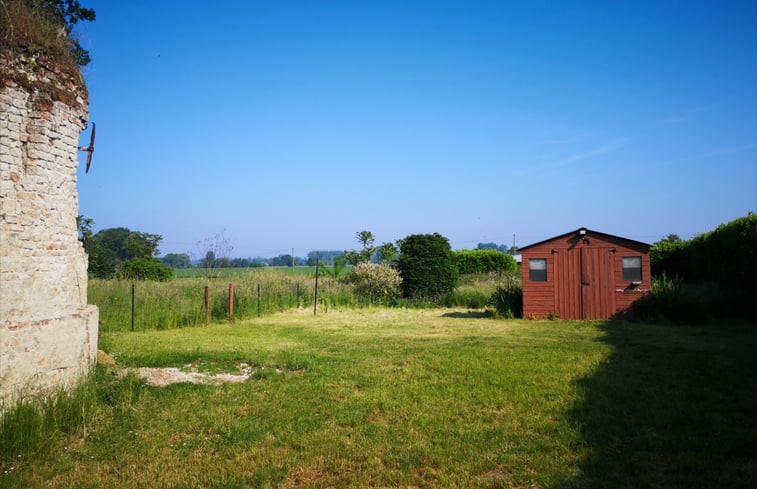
(125, 305)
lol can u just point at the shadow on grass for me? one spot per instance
(670, 407)
(467, 315)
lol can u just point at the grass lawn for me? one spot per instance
(424, 398)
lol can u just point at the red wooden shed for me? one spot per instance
(583, 274)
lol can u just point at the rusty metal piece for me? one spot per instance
(89, 149)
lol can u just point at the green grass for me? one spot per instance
(424, 398)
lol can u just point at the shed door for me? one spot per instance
(596, 283)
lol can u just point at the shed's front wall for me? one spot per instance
(584, 277)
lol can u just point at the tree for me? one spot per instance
(111, 247)
(387, 253)
(177, 260)
(355, 257)
(425, 264)
(210, 260)
(214, 248)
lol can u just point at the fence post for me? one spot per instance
(258, 299)
(231, 301)
(207, 304)
(315, 299)
(132, 306)
(298, 295)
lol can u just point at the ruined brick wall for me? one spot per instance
(48, 332)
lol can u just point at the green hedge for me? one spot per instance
(426, 267)
(483, 261)
(726, 256)
(144, 269)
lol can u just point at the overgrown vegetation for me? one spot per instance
(709, 276)
(44, 27)
(420, 398)
(378, 284)
(33, 424)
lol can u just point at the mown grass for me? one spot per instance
(425, 398)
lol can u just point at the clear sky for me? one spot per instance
(296, 124)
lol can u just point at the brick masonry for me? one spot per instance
(48, 332)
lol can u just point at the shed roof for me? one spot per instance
(586, 231)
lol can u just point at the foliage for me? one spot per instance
(494, 246)
(216, 251)
(425, 264)
(144, 269)
(483, 261)
(727, 255)
(376, 283)
(111, 247)
(177, 260)
(673, 300)
(355, 257)
(338, 267)
(323, 257)
(507, 300)
(44, 26)
(387, 253)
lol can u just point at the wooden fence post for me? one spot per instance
(207, 304)
(231, 301)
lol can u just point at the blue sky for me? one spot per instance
(296, 124)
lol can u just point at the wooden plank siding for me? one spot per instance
(584, 276)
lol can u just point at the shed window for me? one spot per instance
(632, 269)
(537, 269)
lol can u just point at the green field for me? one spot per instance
(422, 398)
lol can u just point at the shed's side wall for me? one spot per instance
(561, 294)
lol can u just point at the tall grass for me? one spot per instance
(179, 303)
(32, 423)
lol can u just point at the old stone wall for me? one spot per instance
(48, 332)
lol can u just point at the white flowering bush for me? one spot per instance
(376, 283)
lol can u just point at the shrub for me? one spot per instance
(144, 269)
(672, 300)
(483, 261)
(377, 283)
(426, 267)
(507, 299)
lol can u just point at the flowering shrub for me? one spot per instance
(377, 283)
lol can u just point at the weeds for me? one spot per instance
(34, 423)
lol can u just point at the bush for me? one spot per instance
(507, 300)
(426, 267)
(377, 283)
(672, 300)
(144, 269)
(483, 261)
(727, 255)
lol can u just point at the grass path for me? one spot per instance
(423, 398)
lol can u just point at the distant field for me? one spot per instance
(236, 272)
(422, 398)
